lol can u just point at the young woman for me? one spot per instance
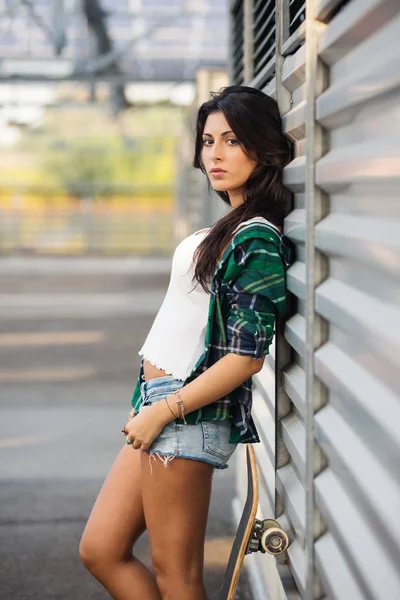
(192, 401)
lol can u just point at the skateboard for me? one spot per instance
(253, 535)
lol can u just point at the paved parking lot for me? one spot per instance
(69, 335)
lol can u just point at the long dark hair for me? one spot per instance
(255, 120)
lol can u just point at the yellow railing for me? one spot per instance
(142, 230)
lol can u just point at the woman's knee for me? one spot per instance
(172, 573)
(179, 584)
(90, 554)
(96, 556)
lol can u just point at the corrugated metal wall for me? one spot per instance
(327, 400)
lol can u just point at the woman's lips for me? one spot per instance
(218, 173)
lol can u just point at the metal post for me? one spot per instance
(316, 272)
(248, 45)
(284, 20)
(230, 44)
(283, 96)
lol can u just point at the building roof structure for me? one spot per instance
(150, 40)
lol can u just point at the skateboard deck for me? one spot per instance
(252, 535)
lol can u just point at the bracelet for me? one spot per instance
(181, 407)
(170, 409)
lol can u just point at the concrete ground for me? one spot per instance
(70, 330)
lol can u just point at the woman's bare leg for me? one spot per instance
(176, 500)
(114, 525)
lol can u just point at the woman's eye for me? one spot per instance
(232, 140)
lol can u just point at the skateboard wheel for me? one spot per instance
(274, 540)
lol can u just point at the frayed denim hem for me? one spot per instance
(167, 457)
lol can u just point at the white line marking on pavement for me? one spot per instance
(27, 440)
(14, 376)
(53, 338)
(217, 550)
(141, 302)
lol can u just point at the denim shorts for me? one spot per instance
(207, 441)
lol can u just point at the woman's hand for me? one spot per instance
(143, 429)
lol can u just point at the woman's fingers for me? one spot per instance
(137, 445)
(132, 414)
(142, 431)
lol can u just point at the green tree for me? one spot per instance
(82, 169)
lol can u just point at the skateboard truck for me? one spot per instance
(267, 536)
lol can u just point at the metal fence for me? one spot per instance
(96, 230)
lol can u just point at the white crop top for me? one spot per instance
(176, 339)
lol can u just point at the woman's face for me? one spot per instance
(221, 150)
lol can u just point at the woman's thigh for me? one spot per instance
(117, 519)
(176, 500)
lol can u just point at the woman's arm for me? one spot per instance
(217, 381)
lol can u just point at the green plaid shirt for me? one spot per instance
(248, 291)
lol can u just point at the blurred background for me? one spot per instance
(97, 102)
(97, 107)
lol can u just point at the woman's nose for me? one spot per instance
(216, 151)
